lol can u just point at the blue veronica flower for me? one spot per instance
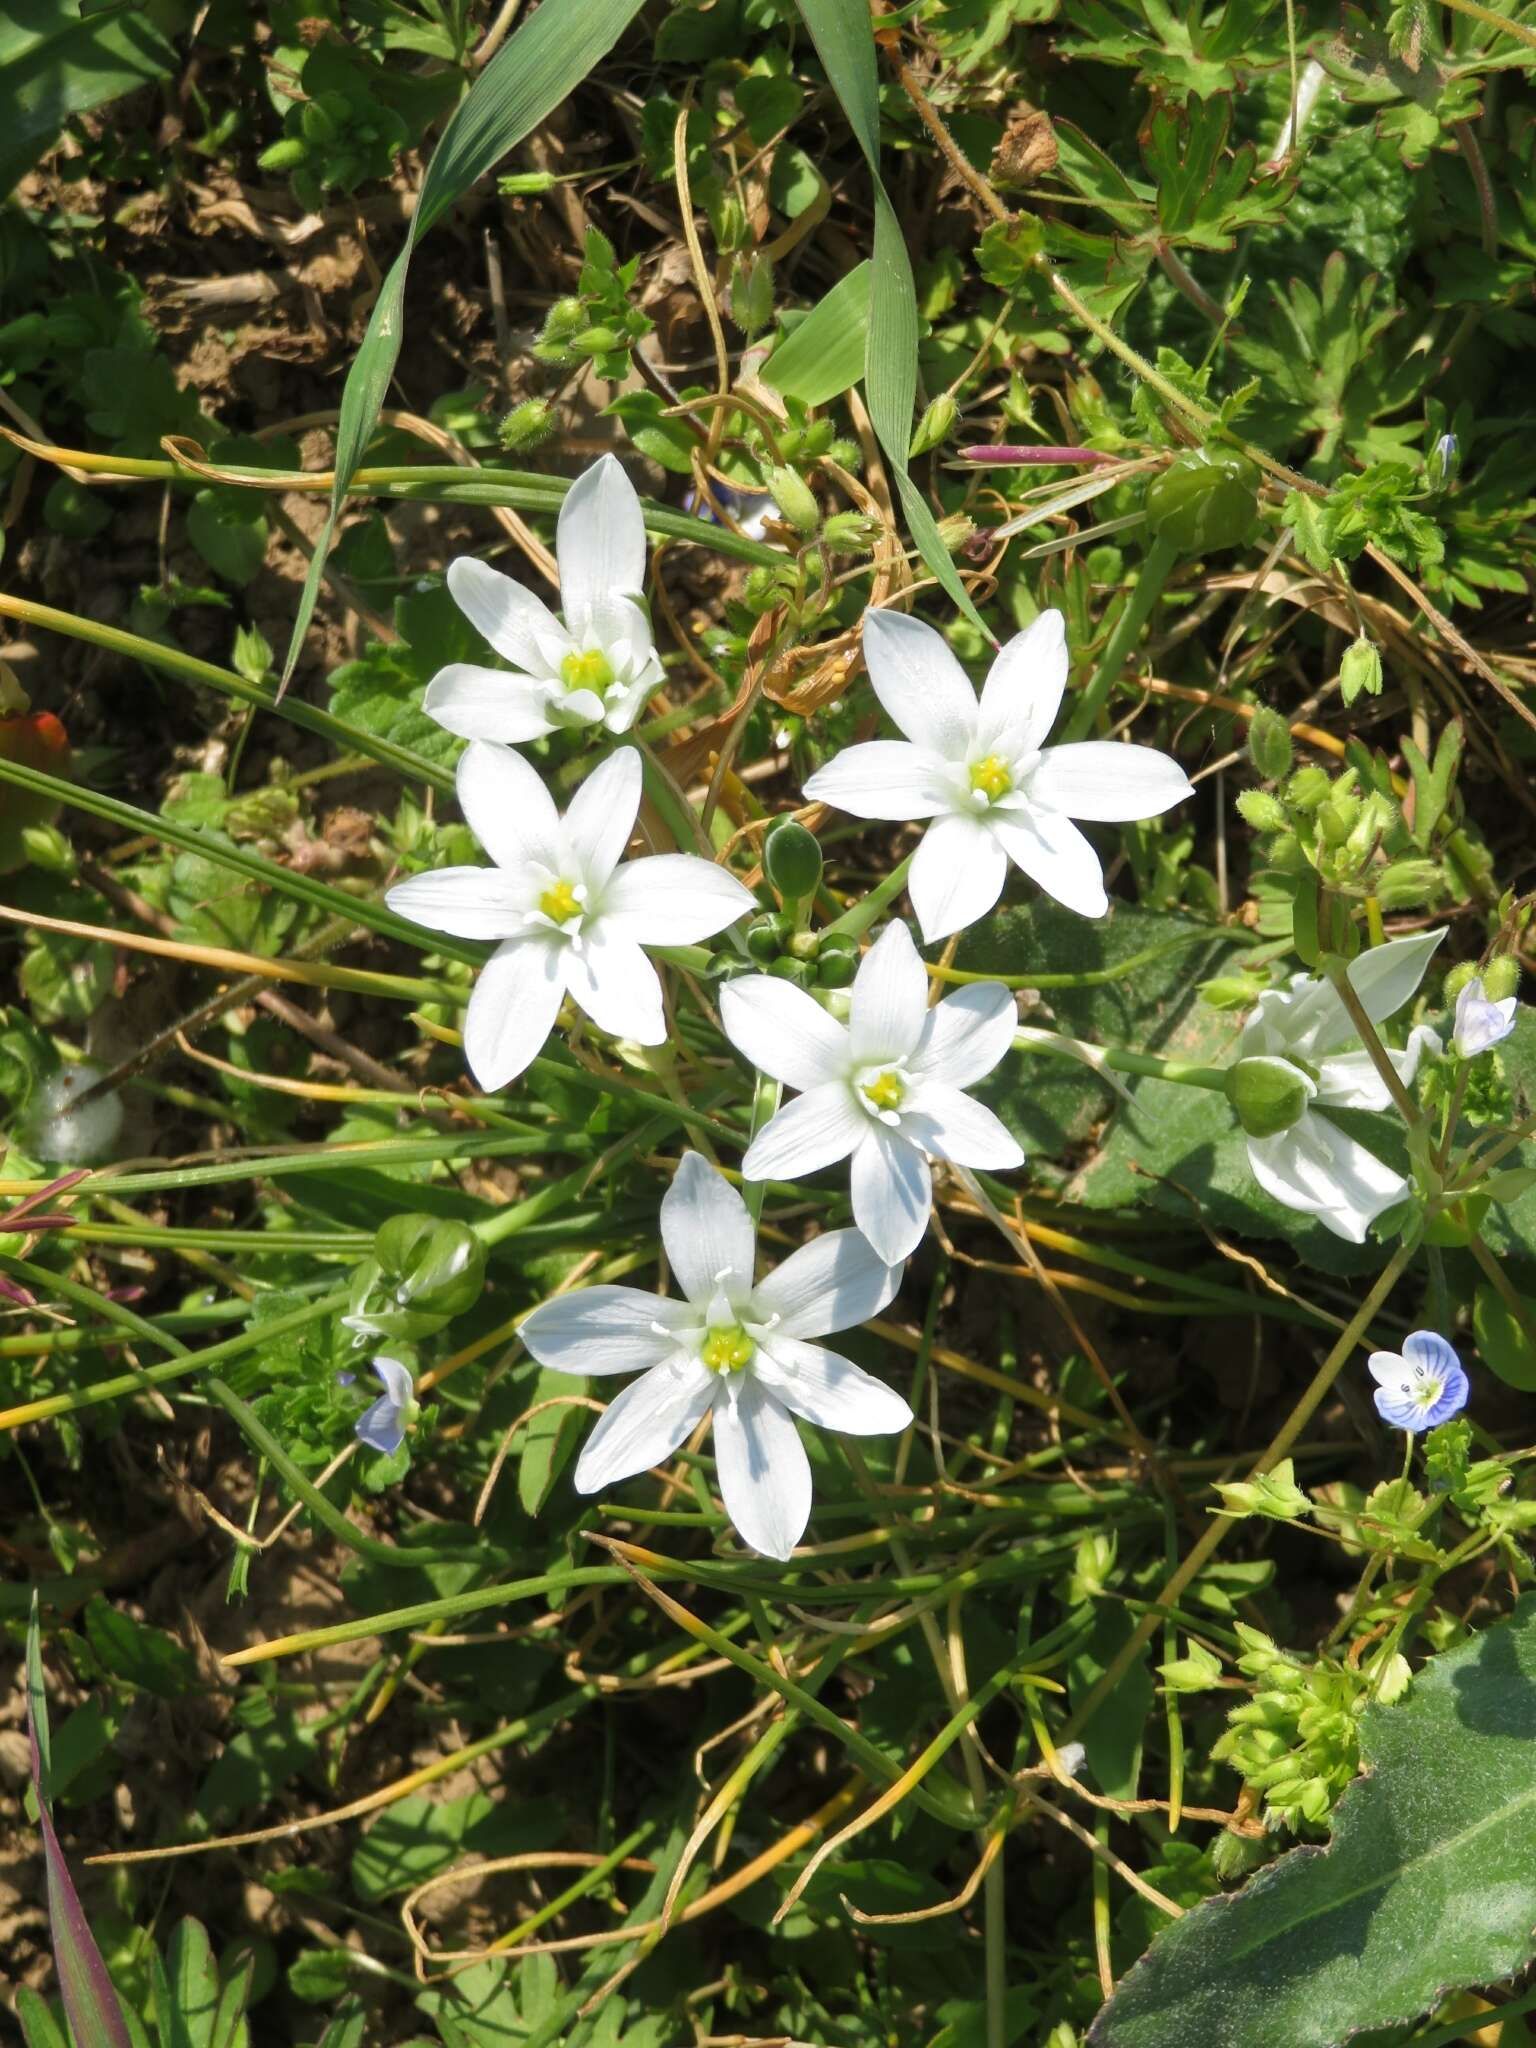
(382, 1426)
(1420, 1387)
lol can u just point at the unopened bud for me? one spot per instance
(935, 424)
(525, 184)
(526, 425)
(285, 155)
(1336, 818)
(1403, 884)
(955, 531)
(46, 847)
(1443, 464)
(1308, 787)
(1269, 744)
(792, 859)
(1228, 992)
(752, 294)
(1265, 813)
(597, 341)
(1359, 670)
(850, 533)
(1501, 978)
(1457, 978)
(1268, 1094)
(795, 499)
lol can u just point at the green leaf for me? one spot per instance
(415, 1838)
(229, 530)
(542, 62)
(194, 1983)
(1427, 1886)
(669, 442)
(144, 1656)
(824, 355)
(548, 1441)
(845, 42)
(57, 65)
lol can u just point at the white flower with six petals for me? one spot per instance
(571, 918)
(981, 770)
(1314, 1166)
(733, 1345)
(887, 1087)
(598, 667)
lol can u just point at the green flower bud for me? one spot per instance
(850, 533)
(1403, 884)
(955, 531)
(285, 155)
(839, 942)
(1228, 992)
(597, 341)
(1269, 744)
(1359, 670)
(794, 498)
(1265, 813)
(1308, 787)
(789, 969)
(46, 847)
(934, 426)
(836, 970)
(792, 859)
(762, 588)
(1336, 818)
(752, 294)
(766, 935)
(803, 946)
(1268, 1094)
(564, 318)
(521, 184)
(1205, 500)
(1234, 1857)
(1457, 978)
(1501, 978)
(526, 425)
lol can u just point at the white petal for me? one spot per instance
(1317, 1169)
(949, 1125)
(920, 683)
(1386, 976)
(1053, 853)
(835, 1282)
(673, 899)
(882, 779)
(892, 1192)
(821, 1387)
(1023, 690)
(957, 875)
(617, 986)
(396, 1380)
(472, 903)
(509, 810)
(707, 1232)
(600, 541)
(765, 1476)
(783, 1031)
(1387, 1368)
(645, 1424)
(518, 626)
(602, 816)
(606, 1329)
(512, 1010)
(1109, 780)
(620, 627)
(967, 1034)
(889, 1003)
(1349, 1080)
(487, 704)
(807, 1134)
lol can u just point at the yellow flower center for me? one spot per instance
(886, 1091)
(588, 670)
(991, 777)
(727, 1349)
(561, 903)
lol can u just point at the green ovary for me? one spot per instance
(991, 777)
(727, 1349)
(561, 903)
(589, 670)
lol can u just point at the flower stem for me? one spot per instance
(857, 921)
(1056, 1045)
(1316, 1393)
(1155, 570)
(1338, 973)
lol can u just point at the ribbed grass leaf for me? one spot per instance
(543, 62)
(1428, 1885)
(824, 356)
(845, 42)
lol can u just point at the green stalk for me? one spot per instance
(1160, 560)
(857, 921)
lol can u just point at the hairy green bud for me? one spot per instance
(46, 847)
(1308, 787)
(934, 426)
(1268, 1094)
(526, 425)
(1501, 978)
(752, 293)
(795, 499)
(1269, 744)
(1265, 813)
(850, 533)
(1359, 670)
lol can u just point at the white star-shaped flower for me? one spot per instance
(887, 1087)
(981, 770)
(597, 668)
(737, 1346)
(1480, 1023)
(1314, 1166)
(571, 919)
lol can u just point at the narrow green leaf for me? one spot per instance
(1428, 1885)
(824, 356)
(543, 62)
(845, 42)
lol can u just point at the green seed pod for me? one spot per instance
(525, 184)
(1308, 787)
(792, 860)
(1336, 819)
(1403, 884)
(1269, 745)
(789, 969)
(1265, 813)
(1359, 670)
(1228, 992)
(435, 1266)
(850, 533)
(794, 498)
(1204, 501)
(836, 970)
(843, 943)
(1501, 978)
(283, 156)
(565, 318)
(597, 341)
(1457, 978)
(934, 426)
(526, 425)
(46, 847)
(1268, 1094)
(766, 935)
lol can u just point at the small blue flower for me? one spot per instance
(1422, 1386)
(382, 1426)
(1480, 1024)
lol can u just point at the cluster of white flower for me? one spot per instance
(886, 1088)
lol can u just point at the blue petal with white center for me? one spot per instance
(1421, 1386)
